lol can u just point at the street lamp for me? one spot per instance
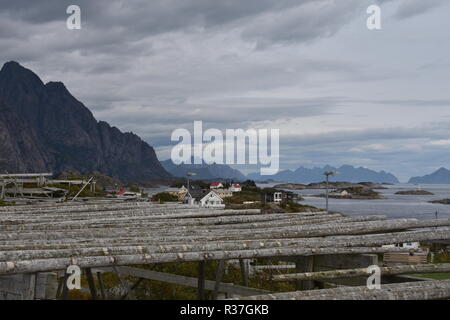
(327, 174)
(189, 174)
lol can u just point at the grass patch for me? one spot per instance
(434, 276)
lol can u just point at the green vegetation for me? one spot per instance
(359, 191)
(4, 204)
(164, 197)
(443, 257)
(291, 206)
(74, 189)
(150, 289)
(434, 276)
(133, 188)
(241, 197)
(102, 181)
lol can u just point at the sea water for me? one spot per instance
(393, 206)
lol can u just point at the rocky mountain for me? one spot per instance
(203, 171)
(44, 128)
(440, 176)
(346, 173)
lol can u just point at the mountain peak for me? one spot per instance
(16, 68)
(440, 176)
(346, 173)
(13, 75)
(56, 86)
(11, 64)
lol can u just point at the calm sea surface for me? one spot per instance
(393, 206)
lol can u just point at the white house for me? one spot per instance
(208, 199)
(235, 187)
(211, 200)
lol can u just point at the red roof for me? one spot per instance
(237, 185)
(215, 184)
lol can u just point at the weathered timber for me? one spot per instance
(23, 266)
(426, 290)
(75, 249)
(358, 272)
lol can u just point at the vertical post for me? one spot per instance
(101, 285)
(201, 280)
(304, 264)
(244, 273)
(309, 285)
(65, 290)
(3, 190)
(219, 275)
(327, 194)
(90, 279)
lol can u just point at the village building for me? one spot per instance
(224, 193)
(277, 196)
(206, 199)
(216, 185)
(236, 187)
(178, 192)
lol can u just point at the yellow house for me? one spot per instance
(179, 192)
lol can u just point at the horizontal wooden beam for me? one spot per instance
(358, 272)
(420, 290)
(228, 288)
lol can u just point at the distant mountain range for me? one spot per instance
(203, 171)
(346, 173)
(440, 176)
(44, 128)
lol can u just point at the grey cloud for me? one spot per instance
(296, 24)
(411, 8)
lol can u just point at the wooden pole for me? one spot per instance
(91, 283)
(201, 280)
(244, 272)
(101, 285)
(219, 275)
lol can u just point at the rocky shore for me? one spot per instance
(415, 192)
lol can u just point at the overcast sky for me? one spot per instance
(339, 93)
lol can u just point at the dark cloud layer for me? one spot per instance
(308, 67)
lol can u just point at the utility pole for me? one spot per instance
(189, 174)
(327, 174)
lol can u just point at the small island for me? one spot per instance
(443, 201)
(331, 185)
(415, 192)
(355, 192)
(291, 186)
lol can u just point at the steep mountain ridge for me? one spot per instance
(60, 134)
